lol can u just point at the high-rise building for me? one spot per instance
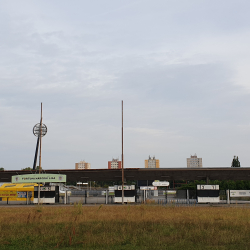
(152, 163)
(114, 164)
(194, 162)
(82, 165)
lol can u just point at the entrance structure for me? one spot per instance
(40, 194)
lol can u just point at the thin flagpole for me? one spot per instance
(122, 160)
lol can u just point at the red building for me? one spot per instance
(114, 164)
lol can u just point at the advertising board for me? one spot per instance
(8, 194)
(239, 193)
(22, 194)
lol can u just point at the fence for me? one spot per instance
(177, 202)
(90, 197)
(161, 197)
(105, 197)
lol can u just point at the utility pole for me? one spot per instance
(122, 160)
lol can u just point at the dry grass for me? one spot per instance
(124, 227)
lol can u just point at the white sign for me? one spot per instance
(111, 189)
(160, 183)
(239, 193)
(45, 188)
(208, 199)
(125, 187)
(208, 187)
(148, 188)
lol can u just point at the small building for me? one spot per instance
(129, 193)
(28, 192)
(152, 162)
(114, 164)
(208, 193)
(17, 191)
(82, 165)
(194, 162)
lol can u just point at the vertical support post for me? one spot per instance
(228, 196)
(107, 196)
(85, 196)
(187, 196)
(207, 180)
(122, 160)
(65, 197)
(35, 158)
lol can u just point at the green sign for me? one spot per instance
(38, 178)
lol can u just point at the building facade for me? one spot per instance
(152, 163)
(194, 162)
(114, 164)
(82, 165)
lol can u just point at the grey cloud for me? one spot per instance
(173, 64)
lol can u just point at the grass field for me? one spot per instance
(124, 227)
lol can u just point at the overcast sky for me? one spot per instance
(181, 68)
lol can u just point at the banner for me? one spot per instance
(38, 178)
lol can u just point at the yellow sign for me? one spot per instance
(8, 194)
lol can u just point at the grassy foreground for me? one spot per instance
(124, 227)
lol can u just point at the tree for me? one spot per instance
(28, 168)
(1, 169)
(235, 162)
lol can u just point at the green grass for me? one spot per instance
(124, 227)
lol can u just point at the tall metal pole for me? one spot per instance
(122, 160)
(41, 122)
(40, 153)
(35, 158)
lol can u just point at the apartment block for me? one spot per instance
(82, 165)
(194, 162)
(114, 164)
(152, 163)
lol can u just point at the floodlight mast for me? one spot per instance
(40, 153)
(39, 130)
